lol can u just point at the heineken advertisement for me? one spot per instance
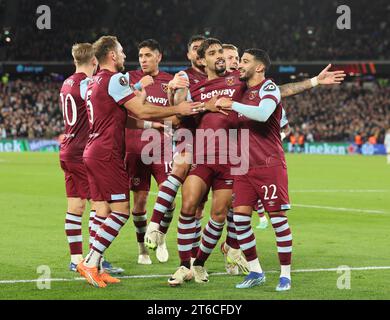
(339, 149)
(29, 145)
(21, 145)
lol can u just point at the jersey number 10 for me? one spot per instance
(65, 109)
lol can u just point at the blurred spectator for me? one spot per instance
(348, 113)
(339, 113)
(359, 142)
(30, 109)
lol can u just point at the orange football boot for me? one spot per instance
(92, 275)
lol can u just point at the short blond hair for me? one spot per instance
(227, 46)
(82, 53)
(103, 46)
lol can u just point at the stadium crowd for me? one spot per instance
(287, 29)
(341, 113)
(30, 109)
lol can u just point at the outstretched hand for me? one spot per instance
(327, 77)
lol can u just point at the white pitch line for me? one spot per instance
(340, 191)
(155, 276)
(339, 209)
(323, 207)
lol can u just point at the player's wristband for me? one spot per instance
(283, 136)
(314, 82)
(148, 125)
(138, 86)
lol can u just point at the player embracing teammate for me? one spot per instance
(108, 98)
(204, 176)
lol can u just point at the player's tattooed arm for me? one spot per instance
(326, 77)
(292, 89)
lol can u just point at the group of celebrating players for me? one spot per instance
(106, 114)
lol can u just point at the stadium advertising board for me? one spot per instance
(18, 145)
(340, 149)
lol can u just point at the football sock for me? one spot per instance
(185, 238)
(109, 231)
(166, 197)
(92, 216)
(198, 237)
(211, 235)
(97, 222)
(284, 242)
(254, 266)
(74, 234)
(231, 238)
(260, 210)
(167, 220)
(140, 222)
(245, 236)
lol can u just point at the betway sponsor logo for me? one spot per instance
(223, 93)
(157, 100)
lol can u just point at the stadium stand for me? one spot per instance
(30, 109)
(291, 30)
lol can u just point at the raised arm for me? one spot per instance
(326, 77)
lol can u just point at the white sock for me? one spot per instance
(93, 259)
(153, 226)
(254, 266)
(142, 249)
(76, 259)
(286, 272)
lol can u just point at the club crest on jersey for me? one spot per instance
(123, 81)
(230, 81)
(164, 87)
(253, 95)
(136, 181)
(270, 87)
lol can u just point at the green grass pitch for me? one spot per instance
(340, 217)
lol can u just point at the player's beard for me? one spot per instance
(197, 64)
(248, 74)
(220, 70)
(120, 67)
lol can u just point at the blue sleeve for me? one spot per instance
(84, 87)
(270, 90)
(119, 88)
(138, 86)
(260, 114)
(284, 120)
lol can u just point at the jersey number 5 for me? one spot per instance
(89, 106)
(65, 110)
